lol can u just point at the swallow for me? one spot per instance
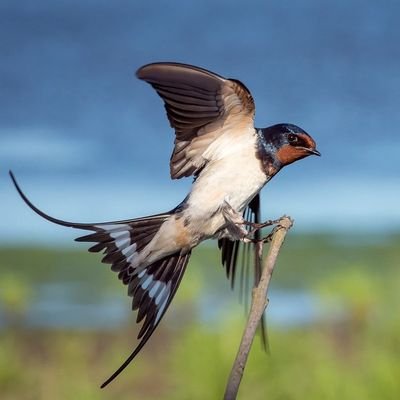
(231, 160)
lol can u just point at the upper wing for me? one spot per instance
(236, 251)
(201, 106)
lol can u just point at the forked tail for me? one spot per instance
(151, 286)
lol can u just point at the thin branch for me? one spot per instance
(258, 305)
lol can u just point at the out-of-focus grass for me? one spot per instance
(354, 354)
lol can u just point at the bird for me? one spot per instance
(230, 161)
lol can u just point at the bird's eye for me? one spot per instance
(293, 139)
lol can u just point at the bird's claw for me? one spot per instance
(258, 226)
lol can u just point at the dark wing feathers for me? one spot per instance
(230, 256)
(199, 103)
(230, 249)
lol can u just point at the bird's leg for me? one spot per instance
(235, 224)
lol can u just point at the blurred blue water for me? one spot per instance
(90, 142)
(61, 306)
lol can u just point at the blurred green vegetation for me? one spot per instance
(352, 354)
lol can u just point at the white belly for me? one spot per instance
(235, 179)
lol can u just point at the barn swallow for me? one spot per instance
(231, 160)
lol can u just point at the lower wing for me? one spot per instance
(245, 254)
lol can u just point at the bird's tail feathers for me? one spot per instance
(125, 245)
(121, 241)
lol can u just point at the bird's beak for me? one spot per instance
(311, 151)
(315, 152)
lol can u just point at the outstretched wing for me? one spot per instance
(237, 252)
(201, 106)
(151, 286)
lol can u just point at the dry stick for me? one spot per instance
(258, 305)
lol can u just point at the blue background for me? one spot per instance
(89, 142)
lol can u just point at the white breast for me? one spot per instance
(236, 177)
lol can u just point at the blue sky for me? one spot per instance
(89, 142)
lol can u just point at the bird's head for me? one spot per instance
(287, 143)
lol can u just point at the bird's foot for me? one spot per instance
(258, 226)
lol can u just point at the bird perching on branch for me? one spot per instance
(231, 160)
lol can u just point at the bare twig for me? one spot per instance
(258, 305)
